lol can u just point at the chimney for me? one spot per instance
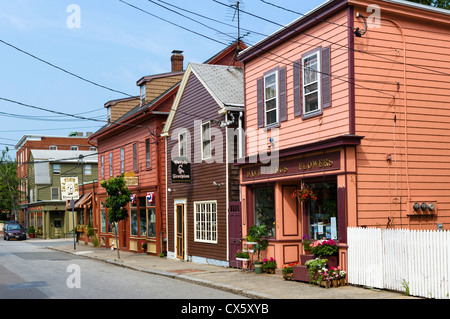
(177, 60)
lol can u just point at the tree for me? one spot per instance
(9, 184)
(443, 4)
(118, 197)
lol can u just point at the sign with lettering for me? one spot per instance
(296, 166)
(181, 170)
(69, 188)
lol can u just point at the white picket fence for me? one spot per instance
(397, 259)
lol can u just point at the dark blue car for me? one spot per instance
(14, 231)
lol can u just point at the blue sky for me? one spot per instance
(114, 46)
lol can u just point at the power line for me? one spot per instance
(341, 45)
(61, 69)
(184, 28)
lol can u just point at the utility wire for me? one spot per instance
(155, 16)
(61, 69)
(341, 45)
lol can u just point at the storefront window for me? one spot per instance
(142, 217)
(265, 208)
(322, 212)
(133, 219)
(103, 217)
(151, 222)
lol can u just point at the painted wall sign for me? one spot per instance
(181, 170)
(296, 166)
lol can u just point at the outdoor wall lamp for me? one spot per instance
(357, 31)
(216, 184)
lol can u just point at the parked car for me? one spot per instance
(14, 231)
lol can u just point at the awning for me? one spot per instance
(84, 200)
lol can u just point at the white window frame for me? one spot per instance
(87, 169)
(318, 80)
(277, 119)
(57, 191)
(56, 168)
(205, 156)
(53, 147)
(182, 145)
(122, 160)
(102, 166)
(205, 222)
(110, 165)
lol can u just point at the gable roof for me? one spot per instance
(224, 83)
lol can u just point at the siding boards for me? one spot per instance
(196, 107)
(421, 152)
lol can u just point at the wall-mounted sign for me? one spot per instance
(181, 170)
(131, 179)
(69, 188)
(296, 166)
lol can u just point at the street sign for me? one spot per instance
(69, 188)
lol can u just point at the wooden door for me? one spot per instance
(180, 230)
(234, 232)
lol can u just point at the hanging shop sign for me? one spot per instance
(130, 179)
(304, 165)
(181, 170)
(69, 188)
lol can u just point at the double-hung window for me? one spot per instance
(147, 153)
(206, 140)
(270, 99)
(135, 159)
(311, 84)
(182, 144)
(110, 165)
(205, 221)
(122, 160)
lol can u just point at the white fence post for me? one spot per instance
(398, 258)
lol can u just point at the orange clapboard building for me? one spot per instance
(352, 99)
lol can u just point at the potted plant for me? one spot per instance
(258, 234)
(306, 242)
(288, 271)
(269, 265)
(321, 248)
(304, 194)
(242, 255)
(144, 246)
(314, 266)
(31, 231)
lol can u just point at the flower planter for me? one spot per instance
(325, 284)
(258, 267)
(336, 283)
(269, 271)
(342, 282)
(289, 276)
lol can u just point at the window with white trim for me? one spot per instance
(110, 165)
(311, 83)
(270, 98)
(205, 221)
(55, 193)
(122, 161)
(206, 140)
(182, 144)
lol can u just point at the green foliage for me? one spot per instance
(118, 197)
(258, 234)
(443, 4)
(31, 230)
(9, 184)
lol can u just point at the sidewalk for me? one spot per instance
(238, 281)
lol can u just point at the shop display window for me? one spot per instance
(265, 208)
(322, 213)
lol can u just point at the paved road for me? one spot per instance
(29, 270)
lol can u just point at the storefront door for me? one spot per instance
(180, 230)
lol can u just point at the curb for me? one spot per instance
(201, 282)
